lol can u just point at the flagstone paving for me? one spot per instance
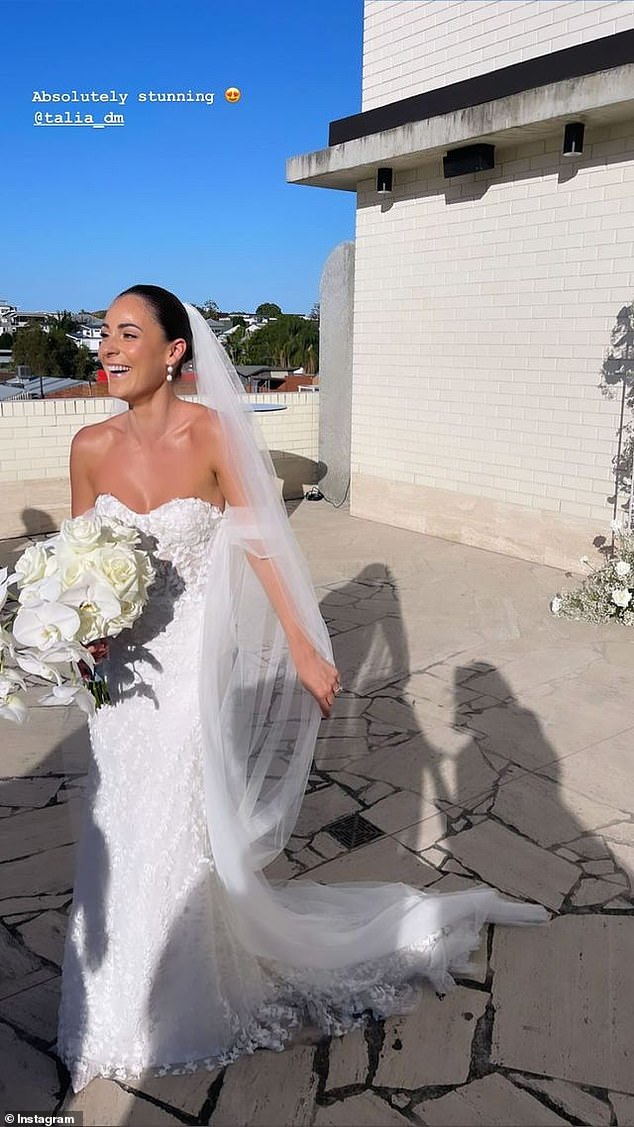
(478, 740)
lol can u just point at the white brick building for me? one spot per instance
(484, 302)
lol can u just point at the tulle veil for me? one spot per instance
(259, 727)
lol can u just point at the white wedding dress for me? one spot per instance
(155, 979)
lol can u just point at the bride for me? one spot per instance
(179, 953)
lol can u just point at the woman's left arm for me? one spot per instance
(318, 676)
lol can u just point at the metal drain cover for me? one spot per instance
(353, 830)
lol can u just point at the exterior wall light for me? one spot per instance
(384, 181)
(573, 138)
(470, 158)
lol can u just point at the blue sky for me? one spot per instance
(191, 196)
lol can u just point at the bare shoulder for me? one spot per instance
(200, 415)
(93, 441)
(204, 421)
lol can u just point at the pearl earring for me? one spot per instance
(170, 369)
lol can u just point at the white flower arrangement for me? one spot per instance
(607, 594)
(89, 582)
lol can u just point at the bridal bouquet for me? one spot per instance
(607, 595)
(88, 582)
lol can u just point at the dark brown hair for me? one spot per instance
(171, 315)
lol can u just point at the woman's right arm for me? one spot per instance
(81, 467)
(82, 499)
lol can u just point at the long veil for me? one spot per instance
(259, 727)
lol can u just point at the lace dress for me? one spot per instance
(154, 977)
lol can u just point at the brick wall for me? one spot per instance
(411, 46)
(482, 318)
(484, 304)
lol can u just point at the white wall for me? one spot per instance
(484, 304)
(481, 358)
(412, 46)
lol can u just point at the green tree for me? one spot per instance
(30, 347)
(288, 342)
(6, 340)
(315, 312)
(86, 363)
(51, 353)
(268, 309)
(237, 344)
(65, 321)
(209, 309)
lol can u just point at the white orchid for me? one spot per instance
(12, 700)
(6, 642)
(97, 592)
(4, 586)
(32, 662)
(44, 625)
(71, 694)
(555, 604)
(68, 651)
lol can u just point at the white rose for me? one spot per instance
(623, 569)
(131, 609)
(555, 605)
(120, 532)
(616, 526)
(119, 566)
(31, 565)
(83, 534)
(621, 596)
(73, 568)
(92, 624)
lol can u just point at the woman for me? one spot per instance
(179, 953)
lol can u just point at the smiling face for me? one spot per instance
(134, 351)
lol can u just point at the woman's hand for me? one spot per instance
(99, 650)
(318, 676)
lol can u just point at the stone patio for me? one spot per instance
(478, 739)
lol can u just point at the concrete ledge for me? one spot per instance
(33, 506)
(497, 526)
(606, 97)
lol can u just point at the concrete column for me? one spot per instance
(335, 369)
